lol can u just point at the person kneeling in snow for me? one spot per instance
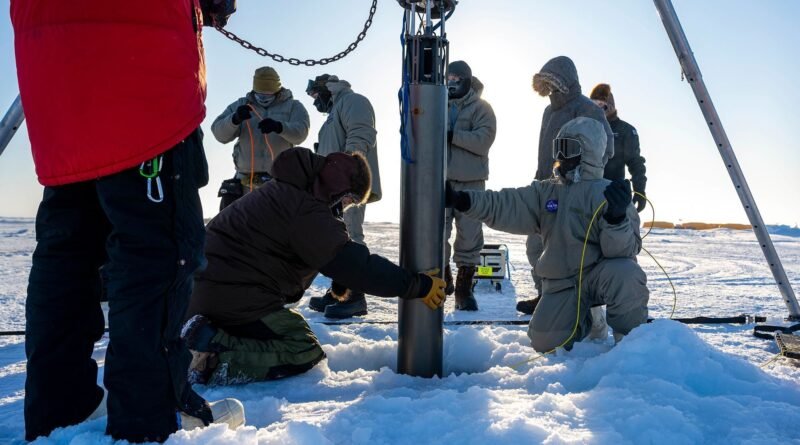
(560, 209)
(264, 251)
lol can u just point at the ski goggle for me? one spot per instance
(317, 85)
(566, 148)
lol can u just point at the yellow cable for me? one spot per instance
(580, 280)
(674, 293)
(775, 357)
(652, 221)
(649, 229)
(580, 285)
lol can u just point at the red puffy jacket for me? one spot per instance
(107, 84)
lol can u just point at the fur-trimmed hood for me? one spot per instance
(563, 68)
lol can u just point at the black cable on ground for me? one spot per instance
(740, 319)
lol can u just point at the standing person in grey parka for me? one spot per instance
(626, 146)
(560, 210)
(470, 133)
(558, 80)
(349, 128)
(264, 123)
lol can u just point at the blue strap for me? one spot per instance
(453, 116)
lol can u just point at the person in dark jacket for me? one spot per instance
(626, 146)
(558, 81)
(264, 251)
(123, 196)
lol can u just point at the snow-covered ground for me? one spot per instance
(665, 383)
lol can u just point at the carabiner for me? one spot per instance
(151, 169)
(158, 187)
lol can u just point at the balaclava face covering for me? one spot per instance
(324, 100)
(264, 99)
(569, 169)
(457, 89)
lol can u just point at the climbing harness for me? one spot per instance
(150, 170)
(307, 62)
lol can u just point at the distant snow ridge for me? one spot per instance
(784, 230)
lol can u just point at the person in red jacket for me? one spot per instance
(114, 96)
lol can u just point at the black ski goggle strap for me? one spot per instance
(566, 148)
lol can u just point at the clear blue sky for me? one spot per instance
(747, 52)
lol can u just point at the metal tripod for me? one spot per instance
(692, 72)
(10, 123)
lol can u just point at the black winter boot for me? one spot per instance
(465, 300)
(354, 306)
(527, 306)
(448, 280)
(320, 303)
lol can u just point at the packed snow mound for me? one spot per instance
(664, 383)
(661, 384)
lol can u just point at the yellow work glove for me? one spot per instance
(434, 296)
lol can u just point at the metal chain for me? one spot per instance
(308, 62)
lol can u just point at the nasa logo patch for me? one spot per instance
(551, 205)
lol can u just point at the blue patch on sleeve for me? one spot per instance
(551, 205)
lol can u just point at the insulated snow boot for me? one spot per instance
(528, 306)
(227, 411)
(465, 300)
(354, 306)
(320, 303)
(599, 329)
(449, 288)
(618, 336)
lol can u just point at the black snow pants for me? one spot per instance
(149, 251)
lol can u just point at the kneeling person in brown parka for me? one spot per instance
(265, 250)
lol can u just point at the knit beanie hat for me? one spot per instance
(603, 92)
(266, 80)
